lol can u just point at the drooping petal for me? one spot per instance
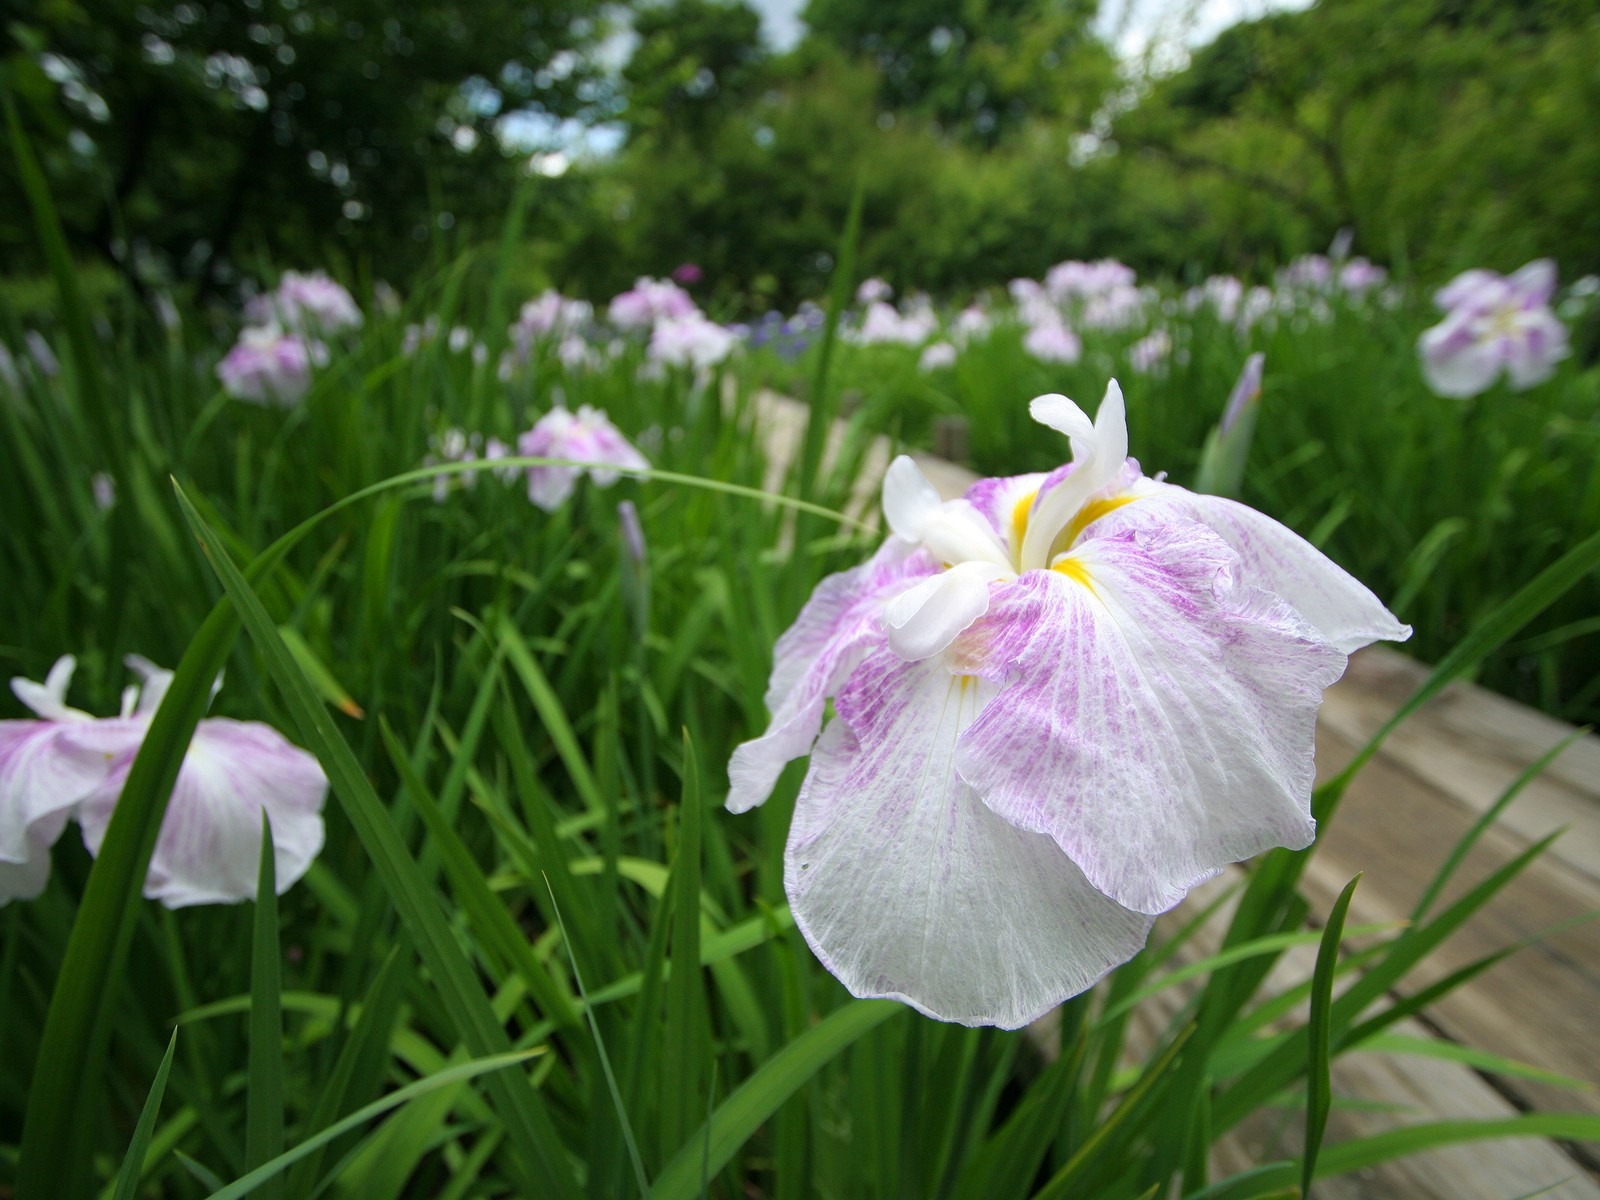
(925, 619)
(43, 776)
(814, 656)
(209, 847)
(1157, 720)
(1455, 369)
(1275, 558)
(907, 887)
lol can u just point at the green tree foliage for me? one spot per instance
(978, 68)
(179, 134)
(1445, 133)
(696, 62)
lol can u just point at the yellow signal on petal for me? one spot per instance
(1019, 521)
(1088, 515)
(1074, 569)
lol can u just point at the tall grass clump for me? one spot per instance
(532, 959)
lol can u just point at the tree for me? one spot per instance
(979, 68)
(175, 134)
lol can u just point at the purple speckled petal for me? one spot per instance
(210, 842)
(906, 886)
(997, 499)
(839, 623)
(43, 775)
(1157, 719)
(1274, 558)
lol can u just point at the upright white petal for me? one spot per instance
(907, 887)
(909, 500)
(1098, 459)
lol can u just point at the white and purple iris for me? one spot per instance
(1059, 704)
(1494, 323)
(586, 437)
(267, 366)
(70, 764)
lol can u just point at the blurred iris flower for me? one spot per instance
(1059, 703)
(70, 764)
(587, 437)
(1494, 323)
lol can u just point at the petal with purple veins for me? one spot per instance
(906, 886)
(1156, 719)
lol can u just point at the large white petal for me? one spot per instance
(209, 847)
(906, 886)
(813, 657)
(1274, 557)
(1157, 721)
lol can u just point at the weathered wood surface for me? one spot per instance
(1434, 777)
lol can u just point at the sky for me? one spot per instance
(1134, 25)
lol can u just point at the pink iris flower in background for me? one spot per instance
(1059, 703)
(1493, 324)
(267, 366)
(587, 437)
(1049, 340)
(309, 303)
(648, 302)
(69, 764)
(693, 340)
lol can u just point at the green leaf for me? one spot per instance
(263, 1123)
(710, 1149)
(528, 1126)
(249, 1182)
(1319, 1031)
(63, 1102)
(133, 1163)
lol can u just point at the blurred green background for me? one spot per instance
(194, 143)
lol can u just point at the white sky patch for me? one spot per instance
(1165, 30)
(1133, 26)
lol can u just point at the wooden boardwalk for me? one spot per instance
(1433, 779)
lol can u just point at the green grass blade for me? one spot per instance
(133, 1162)
(687, 1046)
(1468, 840)
(1486, 636)
(63, 1104)
(640, 1177)
(710, 1149)
(495, 928)
(247, 1184)
(528, 1126)
(263, 1122)
(1319, 1027)
(359, 1068)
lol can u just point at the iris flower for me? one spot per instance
(1059, 703)
(587, 437)
(1494, 323)
(69, 764)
